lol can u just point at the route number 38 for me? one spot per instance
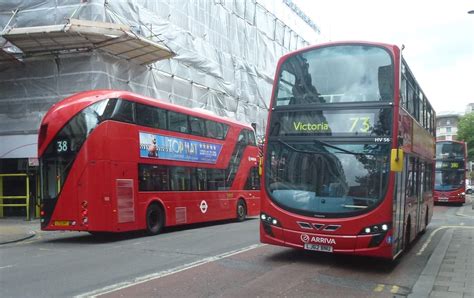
(61, 146)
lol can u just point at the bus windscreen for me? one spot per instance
(344, 73)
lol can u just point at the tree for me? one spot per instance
(466, 133)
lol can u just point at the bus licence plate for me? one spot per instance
(443, 199)
(62, 223)
(318, 247)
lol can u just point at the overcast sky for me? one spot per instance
(438, 38)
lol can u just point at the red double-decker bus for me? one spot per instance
(450, 175)
(114, 161)
(348, 159)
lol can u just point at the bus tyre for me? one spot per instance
(155, 219)
(241, 210)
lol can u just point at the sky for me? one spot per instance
(438, 36)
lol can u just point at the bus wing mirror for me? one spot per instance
(396, 160)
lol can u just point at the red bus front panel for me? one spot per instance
(333, 135)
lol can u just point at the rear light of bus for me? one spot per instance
(84, 213)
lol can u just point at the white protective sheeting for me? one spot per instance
(226, 54)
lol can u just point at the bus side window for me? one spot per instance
(253, 180)
(144, 115)
(124, 111)
(178, 122)
(153, 178)
(180, 178)
(200, 179)
(223, 129)
(216, 179)
(251, 138)
(212, 129)
(197, 126)
(403, 92)
(150, 116)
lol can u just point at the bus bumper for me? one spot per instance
(378, 245)
(450, 198)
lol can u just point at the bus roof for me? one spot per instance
(337, 43)
(83, 99)
(61, 112)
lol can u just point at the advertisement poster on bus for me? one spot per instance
(172, 148)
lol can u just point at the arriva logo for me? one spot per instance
(314, 239)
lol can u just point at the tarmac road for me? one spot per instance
(226, 259)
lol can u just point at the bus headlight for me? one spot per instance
(375, 229)
(377, 233)
(266, 219)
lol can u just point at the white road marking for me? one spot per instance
(146, 278)
(428, 241)
(5, 267)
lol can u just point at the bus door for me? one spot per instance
(399, 208)
(124, 192)
(419, 195)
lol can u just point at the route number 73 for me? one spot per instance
(361, 123)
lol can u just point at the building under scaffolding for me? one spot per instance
(218, 55)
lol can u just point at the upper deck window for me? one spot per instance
(344, 73)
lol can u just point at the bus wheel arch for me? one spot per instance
(241, 210)
(155, 218)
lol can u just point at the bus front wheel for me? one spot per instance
(241, 210)
(155, 219)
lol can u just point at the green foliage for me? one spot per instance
(466, 133)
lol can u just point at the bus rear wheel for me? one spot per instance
(241, 210)
(155, 219)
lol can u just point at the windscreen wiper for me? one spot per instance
(301, 151)
(340, 149)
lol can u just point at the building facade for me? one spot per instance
(217, 55)
(447, 126)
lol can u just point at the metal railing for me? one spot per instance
(25, 197)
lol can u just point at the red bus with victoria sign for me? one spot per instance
(348, 155)
(114, 161)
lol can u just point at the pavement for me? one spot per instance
(16, 229)
(448, 273)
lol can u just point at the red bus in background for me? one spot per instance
(348, 156)
(450, 175)
(114, 161)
